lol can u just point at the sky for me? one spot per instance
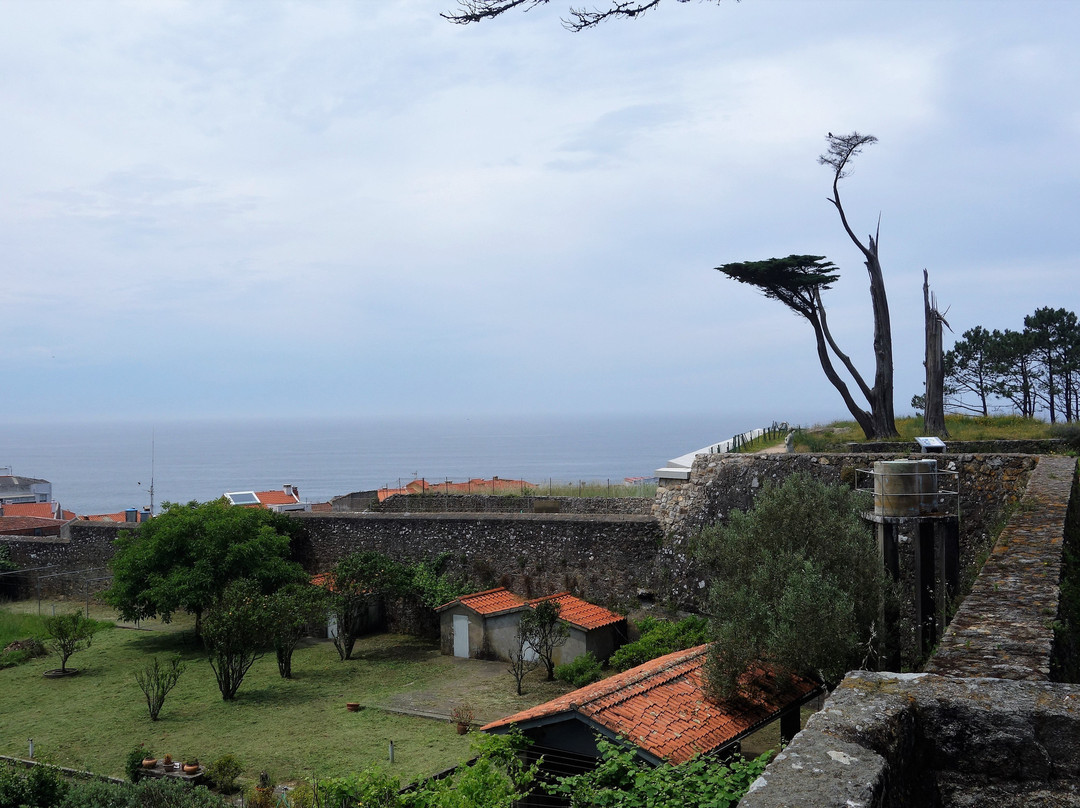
(219, 209)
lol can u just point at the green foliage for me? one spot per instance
(184, 558)
(6, 564)
(797, 584)
(431, 586)
(496, 777)
(156, 681)
(133, 767)
(289, 611)
(223, 773)
(40, 786)
(69, 633)
(356, 579)
(235, 634)
(542, 629)
(22, 631)
(659, 637)
(371, 787)
(584, 670)
(622, 780)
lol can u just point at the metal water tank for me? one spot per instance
(905, 488)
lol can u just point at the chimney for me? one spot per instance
(291, 490)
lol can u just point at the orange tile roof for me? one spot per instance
(276, 498)
(581, 613)
(490, 601)
(661, 707)
(43, 510)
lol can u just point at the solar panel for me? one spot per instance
(243, 498)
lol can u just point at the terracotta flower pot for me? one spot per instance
(462, 728)
(352, 706)
(191, 768)
(149, 763)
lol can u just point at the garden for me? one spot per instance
(291, 728)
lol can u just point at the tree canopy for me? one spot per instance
(798, 281)
(184, 558)
(797, 584)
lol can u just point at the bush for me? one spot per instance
(659, 637)
(580, 672)
(40, 786)
(156, 681)
(133, 767)
(223, 773)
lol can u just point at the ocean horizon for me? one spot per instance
(105, 467)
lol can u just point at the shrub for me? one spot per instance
(156, 681)
(40, 787)
(133, 767)
(223, 773)
(659, 637)
(580, 672)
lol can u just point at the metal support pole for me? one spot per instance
(925, 587)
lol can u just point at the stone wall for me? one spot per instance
(609, 559)
(82, 550)
(988, 486)
(479, 503)
(984, 726)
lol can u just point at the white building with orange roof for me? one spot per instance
(287, 499)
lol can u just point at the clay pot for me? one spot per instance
(191, 768)
(149, 763)
(462, 728)
(352, 706)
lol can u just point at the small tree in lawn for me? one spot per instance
(522, 658)
(156, 680)
(355, 580)
(235, 634)
(290, 611)
(544, 631)
(69, 633)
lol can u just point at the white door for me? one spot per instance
(461, 635)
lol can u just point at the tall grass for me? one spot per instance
(20, 627)
(834, 436)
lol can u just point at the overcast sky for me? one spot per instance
(226, 208)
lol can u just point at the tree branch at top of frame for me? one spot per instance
(470, 11)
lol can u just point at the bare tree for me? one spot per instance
(522, 659)
(470, 11)
(934, 413)
(841, 150)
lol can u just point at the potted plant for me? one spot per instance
(462, 715)
(149, 762)
(191, 765)
(167, 762)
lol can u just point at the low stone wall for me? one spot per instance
(479, 503)
(984, 726)
(609, 559)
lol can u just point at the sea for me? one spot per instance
(104, 467)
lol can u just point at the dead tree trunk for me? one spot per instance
(934, 415)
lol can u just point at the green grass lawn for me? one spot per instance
(289, 728)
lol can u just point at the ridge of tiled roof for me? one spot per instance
(580, 613)
(488, 602)
(661, 706)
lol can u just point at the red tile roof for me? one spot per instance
(477, 485)
(661, 707)
(490, 601)
(42, 510)
(277, 498)
(581, 613)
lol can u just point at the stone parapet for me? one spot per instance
(1004, 628)
(480, 503)
(983, 726)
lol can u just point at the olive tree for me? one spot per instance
(797, 584)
